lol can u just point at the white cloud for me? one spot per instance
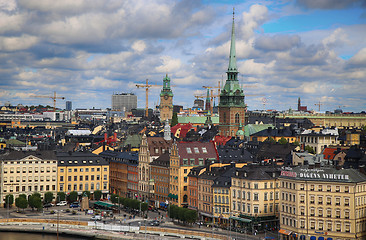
(17, 43)
(359, 59)
(256, 16)
(139, 46)
(168, 64)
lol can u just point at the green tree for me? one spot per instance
(174, 119)
(35, 201)
(144, 206)
(309, 149)
(114, 198)
(61, 196)
(48, 197)
(270, 140)
(21, 202)
(73, 196)
(282, 141)
(190, 216)
(9, 200)
(296, 143)
(97, 195)
(23, 196)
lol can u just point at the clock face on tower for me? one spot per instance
(166, 97)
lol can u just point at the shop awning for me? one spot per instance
(284, 232)
(320, 238)
(312, 238)
(329, 238)
(241, 219)
(206, 214)
(302, 237)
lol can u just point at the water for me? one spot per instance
(23, 236)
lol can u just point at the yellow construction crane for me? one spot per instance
(54, 97)
(147, 86)
(318, 104)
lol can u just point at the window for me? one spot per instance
(265, 196)
(196, 150)
(75, 178)
(338, 202)
(255, 196)
(329, 200)
(320, 200)
(320, 188)
(237, 118)
(185, 161)
(329, 188)
(189, 150)
(204, 149)
(61, 178)
(255, 185)
(338, 189)
(346, 202)
(255, 209)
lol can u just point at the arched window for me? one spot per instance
(224, 116)
(237, 118)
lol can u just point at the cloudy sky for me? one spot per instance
(86, 50)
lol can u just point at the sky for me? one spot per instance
(87, 50)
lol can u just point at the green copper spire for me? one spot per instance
(232, 59)
(232, 94)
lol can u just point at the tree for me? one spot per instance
(190, 216)
(48, 197)
(174, 119)
(23, 196)
(9, 200)
(296, 143)
(35, 201)
(114, 198)
(309, 149)
(282, 141)
(270, 140)
(21, 202)
(97, 195)
(73, 196)
(144, 206)
(61, 196)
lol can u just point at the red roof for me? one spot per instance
(329, 153)
(221, 140)
(180, 130)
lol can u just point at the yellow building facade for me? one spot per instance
(82, 171)
(28, 172)
(322, 203)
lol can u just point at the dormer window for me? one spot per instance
(204, 150)
(189, 150)
(196, 150)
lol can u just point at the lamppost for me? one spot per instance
(7, 203)
(229, 224)
(145, 229)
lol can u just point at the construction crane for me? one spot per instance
(54, 97)
(318, 104)
(147, 86)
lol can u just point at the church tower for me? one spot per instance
(231, 106)
(166, 101)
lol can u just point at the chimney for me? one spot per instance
(115, 137)
(105, 137)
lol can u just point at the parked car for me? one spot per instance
(47, 205)
(154, 223)
(74, 205)
(96, 218)
(62, 203)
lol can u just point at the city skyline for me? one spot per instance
(88, 50)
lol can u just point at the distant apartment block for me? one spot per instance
(124, 101)
(68, 105)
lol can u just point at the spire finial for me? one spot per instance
(233, 13)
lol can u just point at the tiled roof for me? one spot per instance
(17, 155)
